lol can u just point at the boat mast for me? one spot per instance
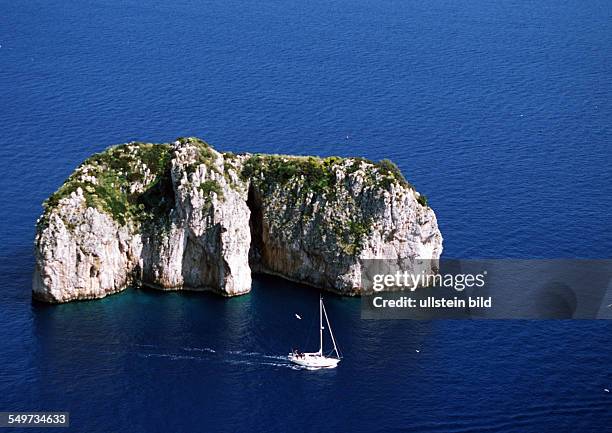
(321, 325)
(330, 331)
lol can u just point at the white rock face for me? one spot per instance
(83, 254)
(186, 217)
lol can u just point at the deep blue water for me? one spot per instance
(501, 112)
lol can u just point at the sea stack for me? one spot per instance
(183, 216)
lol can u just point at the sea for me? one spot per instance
(499, 111)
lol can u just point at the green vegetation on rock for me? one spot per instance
(423, 200)
(351, 237)
(319, 174)
(270, 170)
(205, 155)
(209, 186)
(391, 173)
(108, 180)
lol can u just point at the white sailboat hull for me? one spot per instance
(313, 361)
(316, 360)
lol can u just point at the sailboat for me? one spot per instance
(317, 360)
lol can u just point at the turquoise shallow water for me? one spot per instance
(500, 112)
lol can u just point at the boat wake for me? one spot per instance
(198, 354)
(236, 357)
(199, 349)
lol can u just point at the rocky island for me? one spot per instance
(183, 216)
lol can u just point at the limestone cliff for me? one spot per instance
(184, 216)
